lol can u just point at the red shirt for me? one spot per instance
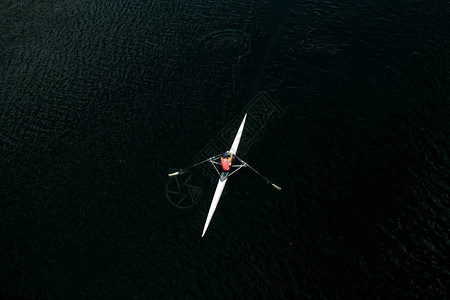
(225, 164)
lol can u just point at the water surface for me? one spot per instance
(99, 101)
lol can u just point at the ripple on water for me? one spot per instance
(226, 44)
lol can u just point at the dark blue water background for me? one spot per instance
(99, 100)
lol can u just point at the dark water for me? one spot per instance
(100, 100)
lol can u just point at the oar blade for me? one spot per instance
(276, 186)
(174, 174)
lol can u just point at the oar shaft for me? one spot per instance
(265, 178)
(202, 162)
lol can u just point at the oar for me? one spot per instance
(265, 178)
(202, 162)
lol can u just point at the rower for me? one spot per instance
(225, 161)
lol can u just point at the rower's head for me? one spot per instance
(226, 154)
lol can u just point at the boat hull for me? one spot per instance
(214, 202)
(223, 178)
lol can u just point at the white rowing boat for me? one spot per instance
(223, 176)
